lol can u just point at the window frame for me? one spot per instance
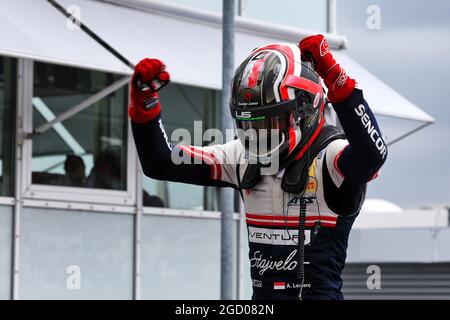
(9, 198)
(63, 193)
(212, 120)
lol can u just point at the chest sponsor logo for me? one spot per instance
(263, 264)
(283, 237)
(312, 186)
(295, 200)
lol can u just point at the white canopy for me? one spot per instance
(382, 99)
(189, 41)
(36, 30)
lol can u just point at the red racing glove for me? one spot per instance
(339, 84)
(149, 76)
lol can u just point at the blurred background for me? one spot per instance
(79, 221)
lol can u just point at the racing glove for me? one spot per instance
(340, 85)
(149, 76)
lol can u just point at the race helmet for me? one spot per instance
(277, 102)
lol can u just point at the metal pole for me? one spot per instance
(226, 202)
(241, 239)
(331, 17)
(24, 95)
(137, 234)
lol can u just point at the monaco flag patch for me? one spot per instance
(279, 285)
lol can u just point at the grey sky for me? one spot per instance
(411, 53)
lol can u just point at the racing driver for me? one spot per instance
(300, 215)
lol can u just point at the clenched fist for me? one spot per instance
(339, 84)
(149, 76)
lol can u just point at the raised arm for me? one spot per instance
(349, 165)
(209, 166)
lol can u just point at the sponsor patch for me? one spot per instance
(324, 48)
(294, 201)
(284, 237)
(342, 79)
(257, 283)
(312, 186)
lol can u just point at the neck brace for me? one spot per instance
(296, 172)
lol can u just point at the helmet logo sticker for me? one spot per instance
(243, 114)
(316, 100)
(248, 96)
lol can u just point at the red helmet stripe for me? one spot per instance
(289, 60)
(314, 135)
(290, 70)
(303, 83)
(254, 75)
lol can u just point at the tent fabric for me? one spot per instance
(36, 30)
(192, 51)
(383, 99)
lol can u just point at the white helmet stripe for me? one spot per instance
(297, 58)
(276, 83)
(297, 66)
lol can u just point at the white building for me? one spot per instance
(58, 227)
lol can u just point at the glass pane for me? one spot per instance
(180, 258)
(76, 255)
(5, 251)
(302, 14)
(7, 105)
(182, 106)
(88, 149)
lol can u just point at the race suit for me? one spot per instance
(334, 194)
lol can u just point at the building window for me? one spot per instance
(182, 106)
(87, 150)
(7, 124)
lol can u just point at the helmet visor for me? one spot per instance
(280, 123)
(265, 138)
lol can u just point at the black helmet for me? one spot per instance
(277, 102)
